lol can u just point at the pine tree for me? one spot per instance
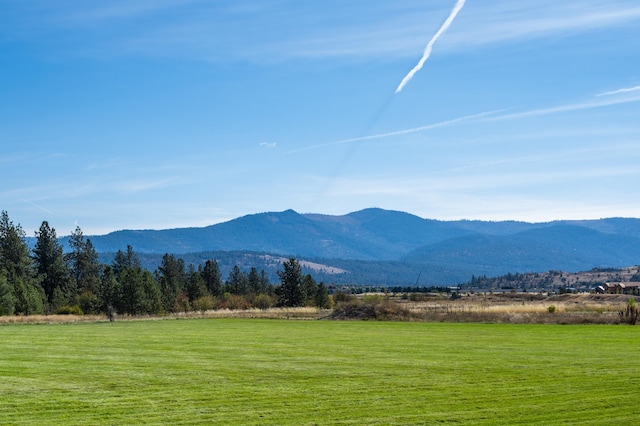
(195, 283)
(309, 289)
(49, 260)
(321, 299)
(83, 263)
(290, 291)
(253, 281)
(24, 289)
(236, 281)
(7, 296)
(124, 260)
(212, 278)
(171, 277)
(110, 292)
(265, 285)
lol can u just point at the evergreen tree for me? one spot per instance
(25, 291)
(265, 285)
(236, 281)
(7, 296)
(212, 278)
(51, 268)
(290, 291)
(110, 292)
(195, 283)
(132, 291)
(321, 299)
(83, 263)
(124, 260)
(152, 303)
(253, 281)
(171, 279)
(309, 289)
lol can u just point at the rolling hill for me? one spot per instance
(392, 242)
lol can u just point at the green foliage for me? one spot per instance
(50, 265)
(195, 286)
(171, 277)
(123, 260)
(69, 310)
(7, 297)
(236, 282)
(290, 292)
(212, 278)
(89, 302)
(235, 302)
(205, 303)
(83, 263)
(551, 309)
(322, 299)
(263, 301)
(309, 289)
(22, 289)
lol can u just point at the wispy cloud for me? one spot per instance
(490, 116)
(220, 31)
(39, 207)
(526, 20)
(577, 106)
(399, 132)
(619, 91)
(482, 25)
(268, 144)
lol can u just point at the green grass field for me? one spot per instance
(241, 371)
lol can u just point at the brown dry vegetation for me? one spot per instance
(516, 308)
(487, 308)
(272, 313)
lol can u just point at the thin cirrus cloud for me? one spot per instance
(445, 123)
(495, 115)
(204, 31)
(515, 21)
(620, 91)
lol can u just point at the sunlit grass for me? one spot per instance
(258, 371)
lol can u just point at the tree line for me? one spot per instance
(46, 280)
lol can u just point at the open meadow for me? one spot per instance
(262, 371)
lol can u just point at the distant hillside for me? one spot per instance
(376, 244)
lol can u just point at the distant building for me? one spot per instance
(620, 288)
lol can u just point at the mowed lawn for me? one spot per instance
(242, 371)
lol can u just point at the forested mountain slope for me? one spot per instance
(393, 242)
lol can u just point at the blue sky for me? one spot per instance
(154, 114)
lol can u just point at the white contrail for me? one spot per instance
(427, 50)
(616, 92)
(400, 132)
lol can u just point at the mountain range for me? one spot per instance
(396, 246)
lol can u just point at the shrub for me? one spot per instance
(182, 302)
(204, 303)
(263, 301)
(630, 314)
(69, 310)
(551, 309)
(236, 302)
(340, 296)
(354, 309)
(372, 299)
(89, 302)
